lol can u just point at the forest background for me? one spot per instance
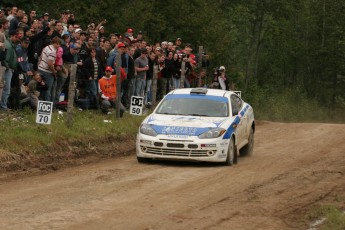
(287, 57)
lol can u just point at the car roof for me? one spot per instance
(206, 91)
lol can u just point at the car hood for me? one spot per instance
(184, 125)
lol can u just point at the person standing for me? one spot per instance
(46, 67)
(149, 76)
(22, 75)
(102, 53)
(141, 66)
(222, 79)
(131, 78)
(91, 72)
(10, 63)
(4, 24)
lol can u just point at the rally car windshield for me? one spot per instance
(208, 106)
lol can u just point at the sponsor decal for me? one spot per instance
(208, 145)
(178, 130)
(178, 136)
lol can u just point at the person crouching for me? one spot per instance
(107, 90)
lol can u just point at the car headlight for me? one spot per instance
(213, 133)
(147, 130)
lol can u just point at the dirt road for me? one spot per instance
(293, 168)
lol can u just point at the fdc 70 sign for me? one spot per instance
(44, 112)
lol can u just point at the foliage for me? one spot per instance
(275, 45)
(290, 105)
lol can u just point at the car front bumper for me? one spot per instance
(183, 148)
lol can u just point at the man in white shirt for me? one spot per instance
(223, 79)
(46, 67)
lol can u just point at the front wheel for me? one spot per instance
(231, 157)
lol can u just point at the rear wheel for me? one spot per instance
(143, 160)
(231, 157)
(247, 150)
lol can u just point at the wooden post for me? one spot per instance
(71, 94)
(118, 83)
(154, 84)
(201, 49)
(183, 72)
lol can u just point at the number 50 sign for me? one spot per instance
(44, 112)
(136, 105)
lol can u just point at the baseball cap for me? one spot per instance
(46, 14)
(77, 31)
(222, 68)
(120, 44)
(129, 30)
(108, 68)
(74, 46)
(179, 39)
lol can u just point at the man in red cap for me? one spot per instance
(107, 90)
(129, 35)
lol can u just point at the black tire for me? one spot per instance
(231, 157)
(247, 150)
(143, 160)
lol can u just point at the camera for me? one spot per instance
(217, 71)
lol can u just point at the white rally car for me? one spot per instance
(197, 124)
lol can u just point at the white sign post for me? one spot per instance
(44, 112)
(137, 105)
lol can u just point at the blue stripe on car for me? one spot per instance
(237, 120)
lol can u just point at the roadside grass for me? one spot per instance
(327, 217)
(21, 133)
(291, 105)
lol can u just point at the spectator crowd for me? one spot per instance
(36, 54)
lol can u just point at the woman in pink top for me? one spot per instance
(59, 61)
